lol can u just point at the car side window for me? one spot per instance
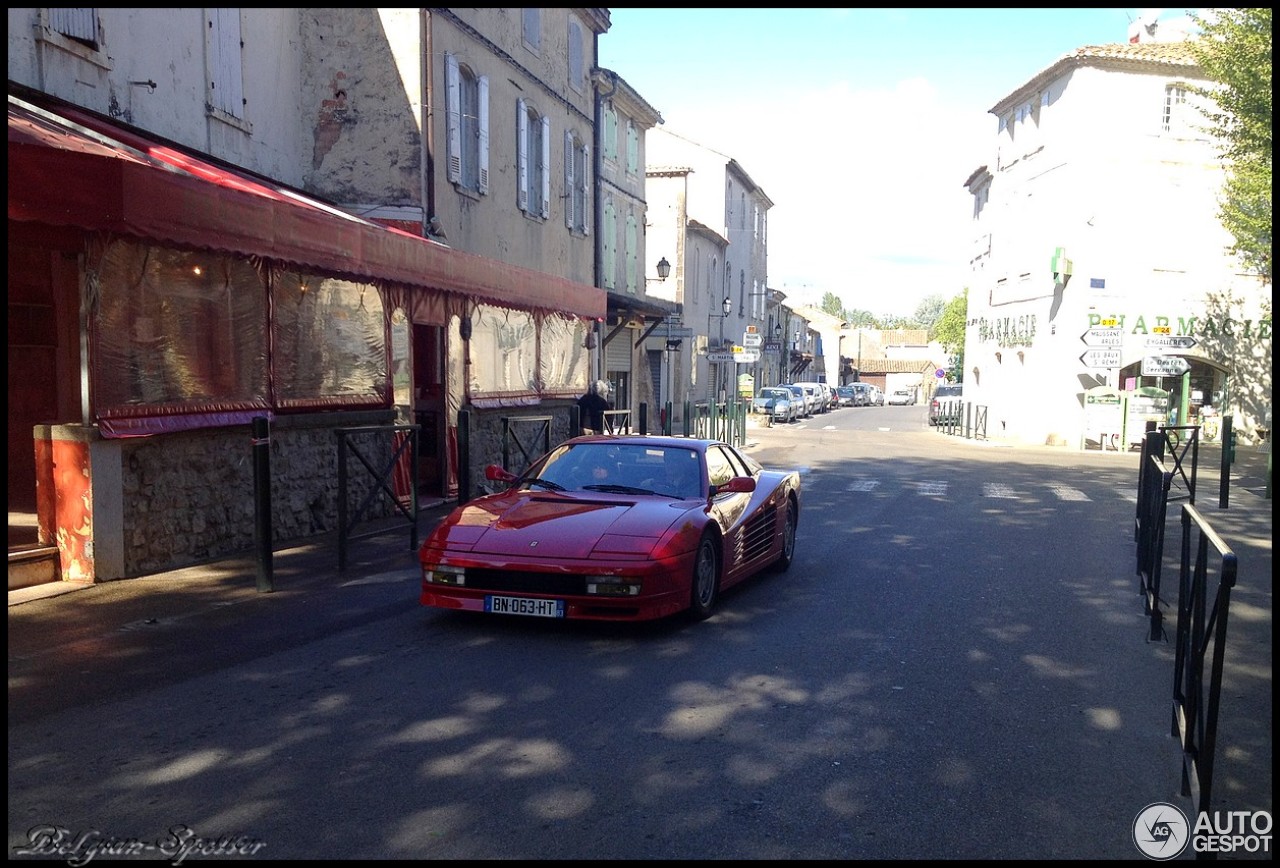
(720, 468)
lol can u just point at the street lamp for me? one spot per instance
(664, 268)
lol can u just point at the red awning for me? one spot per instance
(72, 169)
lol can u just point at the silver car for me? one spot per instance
(803, 400)
(776, 403)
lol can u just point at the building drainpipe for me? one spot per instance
(597, 206)
(428, 124)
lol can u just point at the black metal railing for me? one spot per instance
(1201, 639)
(1153, 503)
(404, 438)
(528, 437)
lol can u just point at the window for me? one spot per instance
(467, 136)
(224, 53)
(577, 76)
(531, 28)
(610, 241)
(534, 144)
(577, 159)
(609, 138)
(633, 148)
(632, 242)
(79, 24)
(1179, 112)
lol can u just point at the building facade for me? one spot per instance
(704, 205)
(1103, 293)
(329, 219)
(635, 373)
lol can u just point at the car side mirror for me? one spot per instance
(498, 473)
(737, 485)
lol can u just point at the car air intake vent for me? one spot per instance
(759, 533)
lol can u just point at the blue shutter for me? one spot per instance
(453, 118)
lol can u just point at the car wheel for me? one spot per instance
(788, 540)
(706, 579)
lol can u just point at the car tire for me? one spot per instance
(705, 582)
(783, 563)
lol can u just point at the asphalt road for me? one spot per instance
(956, 666)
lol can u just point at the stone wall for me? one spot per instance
(486, 435)
(189, 497)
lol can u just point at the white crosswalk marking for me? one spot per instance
(999, 490)
(1066, 492)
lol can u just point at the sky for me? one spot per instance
(860, 125)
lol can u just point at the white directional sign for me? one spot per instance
(747, 356)
(1101, 359)
(718, 356)
(752, 339)
(1171, 342)
(1100, 337)
(1164, 366)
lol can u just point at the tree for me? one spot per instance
(1234, 51)
(832, 304)
(949, 331)
(930, 310)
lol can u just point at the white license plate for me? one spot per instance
(524, 606)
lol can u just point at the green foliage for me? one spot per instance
(930, 310)
(1234, 51)
(832, 304)
(949, 331)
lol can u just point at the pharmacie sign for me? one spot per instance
(1178, 327)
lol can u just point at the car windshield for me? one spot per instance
(620, 468)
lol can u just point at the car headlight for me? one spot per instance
(445, 575)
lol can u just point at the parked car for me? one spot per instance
(947, 404)
(814, 390)
(847, 396)
(903, 397)
(803, 401)
(776, 403)
(614, 528)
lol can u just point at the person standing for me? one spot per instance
(593, 405)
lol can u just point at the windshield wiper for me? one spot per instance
(545, 483)
(619, 489)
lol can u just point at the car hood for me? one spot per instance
(548, 525)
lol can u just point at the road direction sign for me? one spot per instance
(747, 356)
(752, 339)
(718, 356)
(1100, 337)
(1171, 342)
(1101, 358)
(1164, 366)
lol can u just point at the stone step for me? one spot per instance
(34, 565)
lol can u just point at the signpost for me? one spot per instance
(1103, 337)
(1100, 358)
(1164, 366)
(1170, 342)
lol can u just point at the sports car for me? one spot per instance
(614, 528)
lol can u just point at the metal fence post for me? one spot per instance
(262, 500)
